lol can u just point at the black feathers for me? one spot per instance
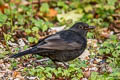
(29, 51)
(62, 46)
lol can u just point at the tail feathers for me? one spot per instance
(30, 51)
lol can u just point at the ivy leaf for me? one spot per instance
(44, 28)
(44, 8)
(31, 39)
(28, 31)
(35, 29)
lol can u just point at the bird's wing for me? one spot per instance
(57, 43)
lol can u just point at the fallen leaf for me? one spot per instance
(2, 7)
(52, 13)
(15, 74)
(86, 74)
(73, 15)
(84, 55)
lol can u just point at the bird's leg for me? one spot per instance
(62, 64)
(42, 60)
(66, 64)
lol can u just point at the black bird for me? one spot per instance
(63, 46)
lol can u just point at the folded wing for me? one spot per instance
(57, 43)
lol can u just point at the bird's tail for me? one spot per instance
(29, 51)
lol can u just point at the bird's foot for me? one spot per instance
(62, 64)
(42, 60)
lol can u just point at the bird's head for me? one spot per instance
(81, 28)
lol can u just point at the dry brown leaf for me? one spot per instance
(15, 74)
(86, 73)
(2, 7)
(52, 13)
(95, 62)
(105, 33)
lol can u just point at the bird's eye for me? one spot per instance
(86, 27)
(80, 27)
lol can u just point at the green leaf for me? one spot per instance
(35, 29)
(73, 15)
(113, 37)
(28, 31)
(111, 2)
(49, 75)
(3, 18)
(44, 8)
(20, 19)
(49, 24)
(74, 78)
(38, 23)
(25, 47)
(44, 28)
(88, 8)
(2, 55)
(7, 12)
(62, 4)
(7, 37)
(94, 76)
(90, 35)
(31, 39)
(79, 75)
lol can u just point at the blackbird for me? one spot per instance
(63, 46)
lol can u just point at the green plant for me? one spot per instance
(14, 64)
(44, 8)
(3, 19)
(73, 72)
(111, 49)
